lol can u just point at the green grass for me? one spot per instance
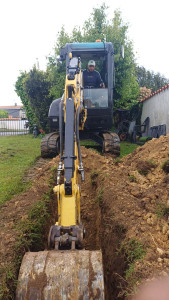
(91, 144)
(30, 237)
(132, 251)
(145, 139)
(165, 166)
(88, 143)
(132, 178)
(99, 197)
(17, 154)
(162, 210)
(127, 148)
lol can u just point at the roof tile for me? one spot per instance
(155, 93)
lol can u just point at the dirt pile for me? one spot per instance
(135, 217)
(124, 208)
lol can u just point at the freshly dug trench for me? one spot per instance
(99, 235)
(102, 232)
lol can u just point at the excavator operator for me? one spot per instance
(91, 77)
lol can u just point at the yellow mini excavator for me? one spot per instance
(66, 271)
(97, 101)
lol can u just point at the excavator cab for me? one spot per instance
(97, 101)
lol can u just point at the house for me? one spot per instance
(156, 107)
(15, 111)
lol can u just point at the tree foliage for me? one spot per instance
(150, 80)
(34, 89)
(37, 87)
(116, 31)
(20, 90)
(3, 114)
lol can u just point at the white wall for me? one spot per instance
(157, 109)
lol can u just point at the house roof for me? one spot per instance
(11, 107)
(155, 93)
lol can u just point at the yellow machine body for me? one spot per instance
(69, 205)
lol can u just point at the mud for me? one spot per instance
(128, 201)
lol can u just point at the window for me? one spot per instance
(96, 98)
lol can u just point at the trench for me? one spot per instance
(102, 232)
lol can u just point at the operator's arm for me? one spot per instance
(100, 82)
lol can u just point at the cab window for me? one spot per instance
(95, 98)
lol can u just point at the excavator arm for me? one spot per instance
(68, 231)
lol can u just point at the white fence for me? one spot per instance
(13, 126)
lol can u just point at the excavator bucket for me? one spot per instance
(61, 275)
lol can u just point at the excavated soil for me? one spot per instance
(121, 202)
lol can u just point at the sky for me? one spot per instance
(28, 31)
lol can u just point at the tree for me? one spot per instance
(3, 114)
(20, 90)
(37, 87)
(34, 89)
(126, 87)
(95, 27)
(98, 27)
(150, 80)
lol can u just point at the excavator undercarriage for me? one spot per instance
(108, 141)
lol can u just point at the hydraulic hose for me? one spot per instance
(61, 130)
(78, 142)
(77, 132)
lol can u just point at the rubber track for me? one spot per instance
(111, 143)
(49, 145)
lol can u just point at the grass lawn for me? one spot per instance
(17, 154)
(126, 148)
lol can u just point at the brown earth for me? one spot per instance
(121, 205)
